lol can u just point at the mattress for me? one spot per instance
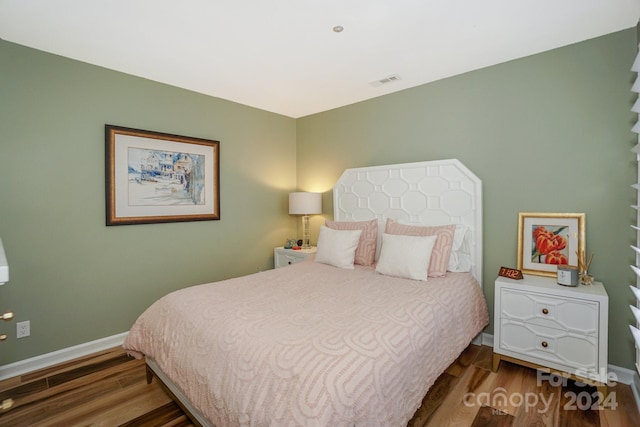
(310, 344)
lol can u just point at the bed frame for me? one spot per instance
(196, 417)
(432, 192)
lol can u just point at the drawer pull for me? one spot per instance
(545, 311)
(3, 337)
(545, 344)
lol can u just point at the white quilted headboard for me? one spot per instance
(435, 193)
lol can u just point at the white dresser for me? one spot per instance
(283, 257)
(539, 323)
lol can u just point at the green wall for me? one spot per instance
(77, 280)
(546, 133)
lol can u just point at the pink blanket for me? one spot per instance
(310, 344)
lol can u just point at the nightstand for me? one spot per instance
(283, 257)
(541, 324)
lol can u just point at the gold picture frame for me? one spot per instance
(154, 177)
(546, 240)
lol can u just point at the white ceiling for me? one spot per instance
(282, 55)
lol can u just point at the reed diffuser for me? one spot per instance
(583, 267)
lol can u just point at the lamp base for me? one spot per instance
(305, 232)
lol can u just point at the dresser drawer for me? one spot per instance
(537, 343)
(286, 259)
(283, 257)
(565, 314)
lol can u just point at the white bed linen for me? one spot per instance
(310, 344)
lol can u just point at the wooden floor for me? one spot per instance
(109, 389)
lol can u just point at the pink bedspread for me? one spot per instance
(310, 344)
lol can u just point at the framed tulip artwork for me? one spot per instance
(546, 240)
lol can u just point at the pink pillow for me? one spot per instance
(366, 250)
(441, 250)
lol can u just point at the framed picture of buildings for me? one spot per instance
(157, 177)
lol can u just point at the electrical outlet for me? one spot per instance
(23, 329)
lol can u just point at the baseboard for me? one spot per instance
(487, 339)
(49, 359)
(635, 387)
(622, 375)
(629, 377)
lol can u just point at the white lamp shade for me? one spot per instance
(303, 203)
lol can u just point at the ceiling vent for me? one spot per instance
(389, 79)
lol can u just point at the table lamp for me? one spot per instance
(305, 204)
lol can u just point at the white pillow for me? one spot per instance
(337, 247)
(460, 258)
(405, 256)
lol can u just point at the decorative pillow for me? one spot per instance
(366, 250)
(441, 250)
(405, 256)
(460, 259)
(337, 247)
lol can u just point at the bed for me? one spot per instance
(320, 343)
